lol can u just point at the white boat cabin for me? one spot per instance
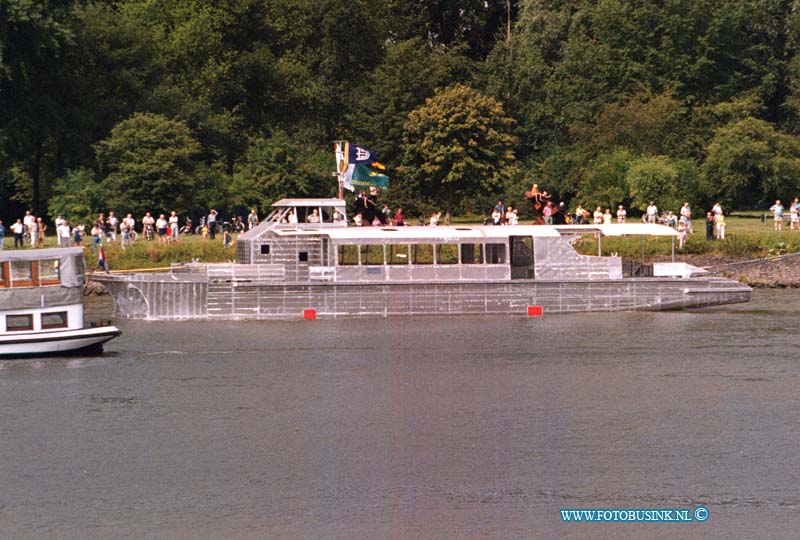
(41, 290)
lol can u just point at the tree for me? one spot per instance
(750, 163)
(150, 165)
(605, 183)
(410, 73)
(458, 143)
(33, 37)
(277, 167)
(78, 196)
(668, 182)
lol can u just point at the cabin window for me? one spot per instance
(18, 323)
(372, 254)
(421, 254)
(447, 254)
(471, 254)
(57, 319)
(397, 254)
(302, 256)
(265, 249)
(495, 253)
(347, 255)
(4, 275)
(21, 273)
(48, 272)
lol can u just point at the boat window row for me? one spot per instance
(420, 254)
(29, 273)
(49, 321)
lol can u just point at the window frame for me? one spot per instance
(57, 280)
(28, 316)
(64, 324)
(34, 274)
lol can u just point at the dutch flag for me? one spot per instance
(101, 260)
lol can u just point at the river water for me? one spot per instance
(430, 428)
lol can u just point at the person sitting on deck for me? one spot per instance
(313, 217)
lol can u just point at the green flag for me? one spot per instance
(365, 177)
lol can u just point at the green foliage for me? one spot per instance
(144, 254)
(150, 165)
(278, 167)
(661, 179)
(606, 183)
(606, 97)
(78, 195)
(456, 145)
(750, 163)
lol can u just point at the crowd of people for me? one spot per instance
(30, 231)
(778, 210)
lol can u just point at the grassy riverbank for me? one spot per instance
(147, 255)
(746, 237)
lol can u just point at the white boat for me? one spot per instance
(41, 305)
(304, 261)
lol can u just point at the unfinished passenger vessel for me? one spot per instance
(288, 267)
(41, 305)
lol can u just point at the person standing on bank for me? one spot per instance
(252, 219)
(709, 226)
(2, 233)
(212, 224)
(18, 229)
(777, 211)
(652, 213)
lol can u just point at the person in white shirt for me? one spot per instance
(161, 228)
(63, 233)
(28, 222)
(621, 214)
(652, 213)
(19, 230)
(113, 223)
(173, 227)
(686, 212)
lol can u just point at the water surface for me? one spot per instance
(429, 428)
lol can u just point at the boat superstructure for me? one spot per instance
(41, 304)
(289, 265)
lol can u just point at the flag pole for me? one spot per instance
(341, 165)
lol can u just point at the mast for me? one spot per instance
(340, 148)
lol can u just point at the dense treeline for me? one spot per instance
(177, 104)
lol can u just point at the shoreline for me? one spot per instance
(765, 274)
